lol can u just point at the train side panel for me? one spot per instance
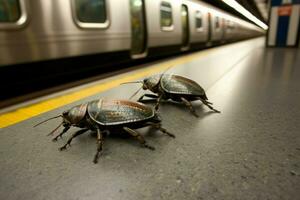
(163, 36)
(52, 32)
(199, 24)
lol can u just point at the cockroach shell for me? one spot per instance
(175, 84)
(77, 113)
(116, 112)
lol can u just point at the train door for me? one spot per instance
(209, 25)
(185, 27)
(138, 29)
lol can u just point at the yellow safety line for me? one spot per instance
(13, 117)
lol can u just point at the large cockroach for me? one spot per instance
(105, 116)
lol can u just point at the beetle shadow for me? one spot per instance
(110, 141)
(120, 136)
(115, 145)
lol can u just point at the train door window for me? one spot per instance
(9, 11)
(199, 22)
(166, 20)
(217, 22)
(90, 13)
(138, 28)
(185, 26)
(12, 13)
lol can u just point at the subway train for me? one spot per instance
(49, 40)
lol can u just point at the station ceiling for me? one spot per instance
(258, 8)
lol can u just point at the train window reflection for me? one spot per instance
(9, 11)
(91, 11)
(199, 20)
(166, 15)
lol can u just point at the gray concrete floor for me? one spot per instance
(249, 151)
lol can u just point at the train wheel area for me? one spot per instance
(248, 151)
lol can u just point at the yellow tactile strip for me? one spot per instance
(13, 117)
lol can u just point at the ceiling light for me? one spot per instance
(235, 5)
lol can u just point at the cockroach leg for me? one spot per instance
(205, 103)
(190, 106)
(99, 145)
(152, 96)
(139, 137)
(71, 138)
(60, 135)
(163, 130)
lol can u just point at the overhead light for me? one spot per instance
(235, 5)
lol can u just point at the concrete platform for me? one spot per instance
(249, 151)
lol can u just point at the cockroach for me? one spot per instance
(174, 87)
(105, 116)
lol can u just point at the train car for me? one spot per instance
(49, 40)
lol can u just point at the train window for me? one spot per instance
(166, 20)
(12, 14)
(90, 13)
(199, 25)
(217, 22)
(230, 25)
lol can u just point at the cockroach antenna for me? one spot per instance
(55, 129)
(167, 69)
(132, 82)
(137, 90)
(135, 93)
(47, 120)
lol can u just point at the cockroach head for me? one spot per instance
(151, 82)
(74, 115)
(66, 118)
